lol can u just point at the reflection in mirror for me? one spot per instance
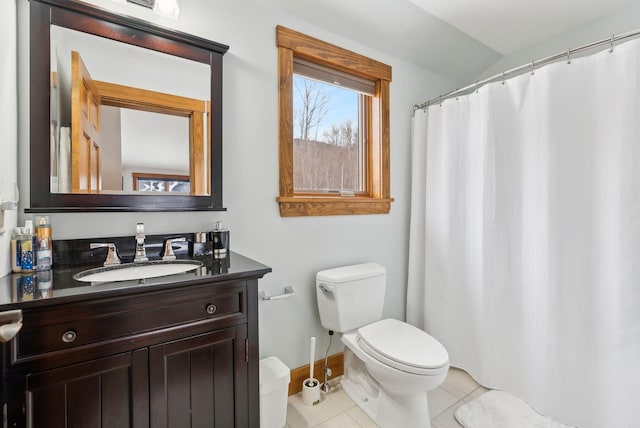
(119, 110)
(141, 151)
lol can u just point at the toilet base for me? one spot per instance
(387, 411)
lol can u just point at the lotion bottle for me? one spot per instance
(27, 245)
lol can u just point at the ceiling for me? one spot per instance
(458, 39)
(508, 26)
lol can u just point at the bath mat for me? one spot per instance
(499, 409)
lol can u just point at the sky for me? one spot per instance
(342, 105)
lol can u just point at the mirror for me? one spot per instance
(146, 134)
(125, 115)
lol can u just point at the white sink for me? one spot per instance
(131, 271)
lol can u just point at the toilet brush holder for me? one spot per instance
(311, 392)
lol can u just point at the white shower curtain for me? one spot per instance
(525, 236)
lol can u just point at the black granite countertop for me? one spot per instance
(18, 291)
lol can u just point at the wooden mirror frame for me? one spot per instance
(93, 20)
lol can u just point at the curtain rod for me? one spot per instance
(527, 67)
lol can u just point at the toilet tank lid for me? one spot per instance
(351, 273)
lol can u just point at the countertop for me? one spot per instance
(57, 286)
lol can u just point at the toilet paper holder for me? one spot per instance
(288, 292)
(8, 205)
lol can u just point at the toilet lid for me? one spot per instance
(402, 346)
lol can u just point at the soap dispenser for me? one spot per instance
(220, 239)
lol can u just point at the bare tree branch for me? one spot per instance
(309, 115)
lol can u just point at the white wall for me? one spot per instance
(8, 124)
(294, 247)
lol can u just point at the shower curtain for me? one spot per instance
(524, 258)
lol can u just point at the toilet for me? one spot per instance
(389, 365)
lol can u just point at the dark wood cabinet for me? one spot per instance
(106, 392)
(192, 381)
(177, 357)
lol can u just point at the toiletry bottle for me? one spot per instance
(220, 238)
(27, 244)
(16, 251)
(43, 243)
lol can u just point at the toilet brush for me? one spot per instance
(312, 354)
(311, 387)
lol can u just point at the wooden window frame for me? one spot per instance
(376, 199)
(195, 110)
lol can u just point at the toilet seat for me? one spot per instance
(403, 346)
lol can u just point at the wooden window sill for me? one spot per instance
(293, 206)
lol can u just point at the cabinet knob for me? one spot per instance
(211, 309)
(69, 336)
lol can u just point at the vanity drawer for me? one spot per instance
(89, 322)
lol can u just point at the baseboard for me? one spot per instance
(298, 375)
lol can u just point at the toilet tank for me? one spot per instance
(350, 297)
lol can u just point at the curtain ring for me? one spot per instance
(477, 87)
(440, 100)
(569, 56)
(503, 77)
(533, 68)
(611, 43)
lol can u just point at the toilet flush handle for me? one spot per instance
(325, 288)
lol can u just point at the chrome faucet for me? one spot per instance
(112, 252)
(168, 253)
(141, 252)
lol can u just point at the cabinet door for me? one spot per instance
(107, 392)
(200, 381)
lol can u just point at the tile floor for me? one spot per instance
(337, 410)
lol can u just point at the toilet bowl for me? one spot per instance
(389, 365)
(400, 355)
(395, 379)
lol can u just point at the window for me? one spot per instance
(149, 182)
(328, 142)
(334, 129)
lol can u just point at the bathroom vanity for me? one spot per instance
(173, 351)
(177, 350)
